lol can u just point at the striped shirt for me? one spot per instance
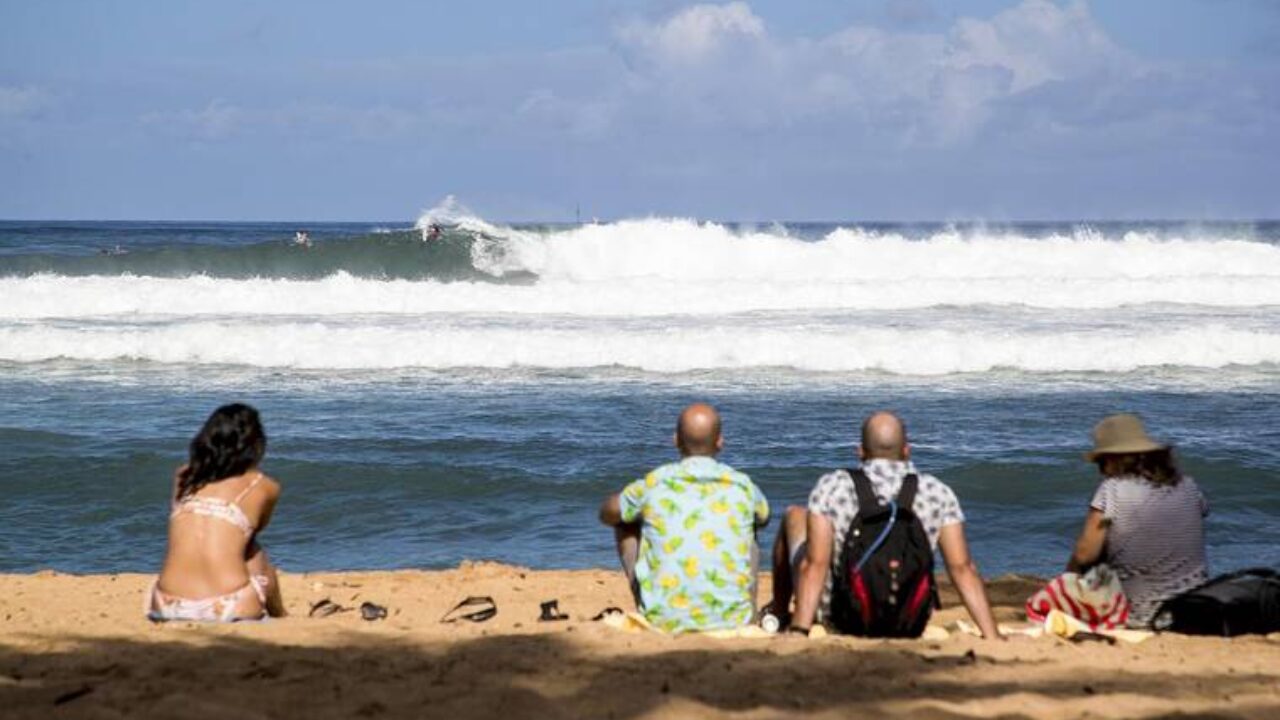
(1155, 539)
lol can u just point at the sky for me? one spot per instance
(755, 110)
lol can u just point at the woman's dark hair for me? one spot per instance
(230, 443)
(1157, 466)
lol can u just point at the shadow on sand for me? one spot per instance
(553, 676)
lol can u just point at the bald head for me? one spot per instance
(884, 437)
(698, 430)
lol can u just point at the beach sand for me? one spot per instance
(78, 646)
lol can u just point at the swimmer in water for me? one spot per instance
(433, 233)
(302, 239)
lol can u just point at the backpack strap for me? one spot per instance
(907, 493)
(867, 501)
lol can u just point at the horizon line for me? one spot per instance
(656, 216)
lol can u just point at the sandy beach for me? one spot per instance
(78, 646)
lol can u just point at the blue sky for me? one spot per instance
(758, 110)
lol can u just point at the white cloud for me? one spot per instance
(215, 121)
(716, 71)
(219, 120)
(1036, 41)
(718, 64)
(20, 102)
(589, 119)
(695, 33)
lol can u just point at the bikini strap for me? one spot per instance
(245, 491)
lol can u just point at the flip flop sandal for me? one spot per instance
(551, 612)
(372, 611)
(485, 608)
(608, 612)
(1091, 637)
(325, 608)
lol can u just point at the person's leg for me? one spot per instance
(791, 540)
(627, 538)
(264, 573)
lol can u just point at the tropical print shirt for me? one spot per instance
(696, 567)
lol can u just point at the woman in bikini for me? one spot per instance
(214, 569)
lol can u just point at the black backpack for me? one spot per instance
(884, 584)
(1246, 601)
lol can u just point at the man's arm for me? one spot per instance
(964, 575)
(760, 509)
(611, 510)
(814, 567)
(1093, 537)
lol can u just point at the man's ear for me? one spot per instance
(862, 454)
(719, 443)
(906, 451)
(675, 440)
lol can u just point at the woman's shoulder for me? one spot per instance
(270, 486)
(1121, 489)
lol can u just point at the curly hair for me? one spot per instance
(1157, 466)
(231, 442)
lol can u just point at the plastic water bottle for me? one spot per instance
(770, 623)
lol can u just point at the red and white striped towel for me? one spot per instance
(1096, 598)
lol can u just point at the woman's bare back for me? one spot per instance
(211, 536)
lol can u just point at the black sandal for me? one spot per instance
(326, 607)
(551, 612)
(487, 608)
(372, 611)
(608, 612)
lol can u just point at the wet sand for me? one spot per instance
(78, 646)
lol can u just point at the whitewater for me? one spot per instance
(662, 295)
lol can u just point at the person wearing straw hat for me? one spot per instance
(1146, 519)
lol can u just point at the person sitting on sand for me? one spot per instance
(810, 544)
(214, 569)
(1146, 519)
(686, 533)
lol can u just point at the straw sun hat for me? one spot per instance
(1120, 434)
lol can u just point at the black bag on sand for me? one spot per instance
(884, 586)
(1238, 603)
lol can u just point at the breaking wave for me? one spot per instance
(661, 295)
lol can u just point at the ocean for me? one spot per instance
(476, 396)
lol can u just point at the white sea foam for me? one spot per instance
(685, 250)
(583, 275)
(672, 295)
(62, 297)
(316, 345)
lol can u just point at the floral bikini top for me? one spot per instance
(225, 510)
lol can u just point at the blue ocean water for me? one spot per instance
(476, 396)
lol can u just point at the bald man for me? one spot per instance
(686, 533)
(811, 542)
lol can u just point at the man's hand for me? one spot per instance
(611, 510)
(964, 575)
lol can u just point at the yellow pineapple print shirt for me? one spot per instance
(697, 544)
